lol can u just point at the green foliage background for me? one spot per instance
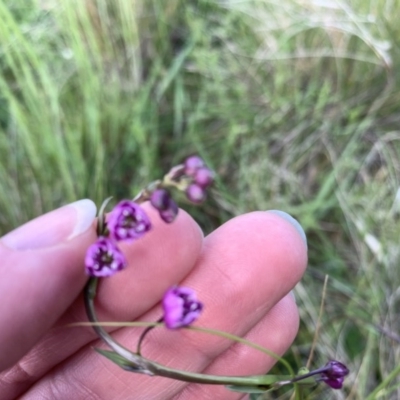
(295, 104)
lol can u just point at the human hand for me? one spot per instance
(242, 272)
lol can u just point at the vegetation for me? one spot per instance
(294, 104)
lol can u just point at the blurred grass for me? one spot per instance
(294, 104)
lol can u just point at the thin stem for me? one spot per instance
(145, 332)
(245, 342)
(143, 365)
(312, 373)
(101, 223)
(137, 361)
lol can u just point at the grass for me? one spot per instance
(294, 104)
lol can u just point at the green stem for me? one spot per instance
(137, 361)
(101, 222)
(143, 365)
(143, 335)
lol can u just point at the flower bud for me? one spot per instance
(195, 193)
(204, 177)
(334, 374)
(170, 213)
(192, 164)
(162, 201)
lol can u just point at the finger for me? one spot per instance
(42, 273)
(246, 267)
(276, 332)
(160, 259)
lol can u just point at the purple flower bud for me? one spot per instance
(163, 202)
(170, 213)
(128, 221)
(334, 373)
(104, 258)
(336, 383)
(160, 199)
(195, 193)
(192, 164)
(181, 307)
(336, 369)
(204, 177)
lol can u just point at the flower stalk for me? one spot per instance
(135, 362)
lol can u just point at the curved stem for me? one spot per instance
(137, 363)
(143, 335)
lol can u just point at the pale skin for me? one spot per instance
(243, 272)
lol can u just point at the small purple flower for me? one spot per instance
(204, 177)
(195, 193)
(181, 307)
(128, 221)
(333, 374)
(192, 164)
(163, 202)
(104, 258)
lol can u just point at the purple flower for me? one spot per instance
(195, 193)
(104, 258)
(333, 374)
(181, 307)
(163, 202)
(192, 164)
(128, 221)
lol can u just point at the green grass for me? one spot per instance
(294, 104)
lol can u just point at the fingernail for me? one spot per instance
(53, 228)
(293, 221)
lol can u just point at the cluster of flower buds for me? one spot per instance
(201, 178)
(192, 177)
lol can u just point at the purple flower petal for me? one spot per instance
(128, 221)
(104, 258)
(181, 307)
